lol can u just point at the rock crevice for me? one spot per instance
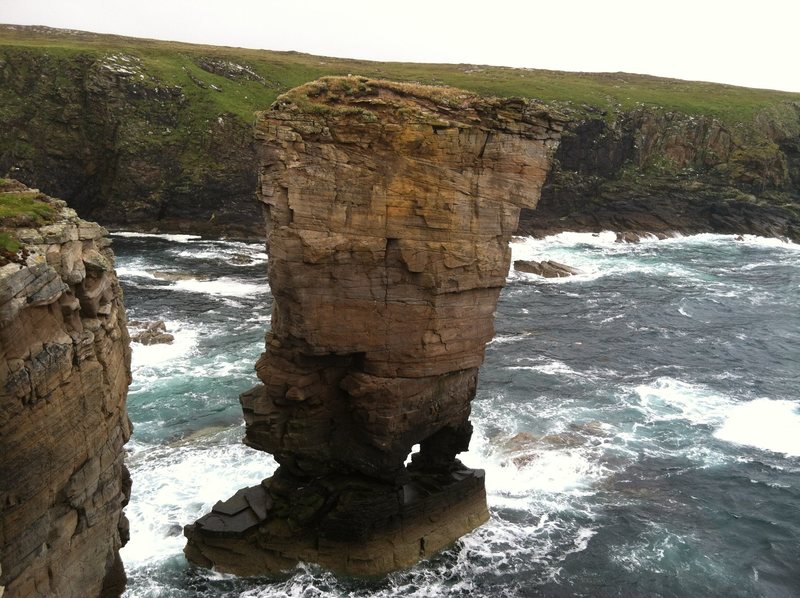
(389, 209)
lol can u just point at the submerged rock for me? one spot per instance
(151, 333)
(628, 237)
(390, 207)
(547, 268)
(175, 276)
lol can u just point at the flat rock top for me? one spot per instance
(370, 100)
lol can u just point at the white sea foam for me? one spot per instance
(769, 424)
(159, 354)
(770, 242)
(650, 552)
(511, 338)
(220, 366)
(570, 238)
(225, 250)
(166, 237)
(516, 474)
(594, 256)
(177, 484)
(550, 471)
(226, 287)
(668, 399)
(124, 272)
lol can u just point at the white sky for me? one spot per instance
(751, 43)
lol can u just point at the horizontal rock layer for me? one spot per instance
(373, 528)
(389, 210)
(64, 374)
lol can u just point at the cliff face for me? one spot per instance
(122, 146)
(389, 211)
(148, 134)
(649, 170)
(64, 374)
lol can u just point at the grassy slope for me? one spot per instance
(19, 208)
(173, 62)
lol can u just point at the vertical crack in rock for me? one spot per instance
(385, 266)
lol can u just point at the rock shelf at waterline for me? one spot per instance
(390, 210)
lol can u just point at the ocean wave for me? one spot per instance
(551, 367)
(234, 253)
(531, 246)
(504, 339)
(667, 399)
(148, 356)
(523, 465)
(768, 424)
(124, 272)
(226, 287)
(177, 484)
(176, 238)
(657, 551)
(595, 256)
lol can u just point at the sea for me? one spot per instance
(639, 422)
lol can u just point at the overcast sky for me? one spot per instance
(752, 43)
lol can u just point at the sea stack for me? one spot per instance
(389, 208)
(64, 375)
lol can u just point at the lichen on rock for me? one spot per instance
(389, 209)
(64, 375)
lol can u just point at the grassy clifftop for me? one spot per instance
(152, 133)
(241, 81)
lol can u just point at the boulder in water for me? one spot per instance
(174, 276)
(151, 333)
(547, 268)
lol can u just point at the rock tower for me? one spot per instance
(389, 208)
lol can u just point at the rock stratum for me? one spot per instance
(389, 209)
(64, 375)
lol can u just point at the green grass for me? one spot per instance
(173, 62)
(19, 208)
(8, 243)
(24, 206)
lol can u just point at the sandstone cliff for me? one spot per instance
(164, 132)
(389, 211)
(64, 374)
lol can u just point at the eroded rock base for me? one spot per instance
(348, 524)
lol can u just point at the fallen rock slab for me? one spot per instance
(547, 268)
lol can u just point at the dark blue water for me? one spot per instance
(639, 423)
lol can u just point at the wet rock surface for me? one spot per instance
(546, 268)
(64, 375)
(389, 210)
(150, 333)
